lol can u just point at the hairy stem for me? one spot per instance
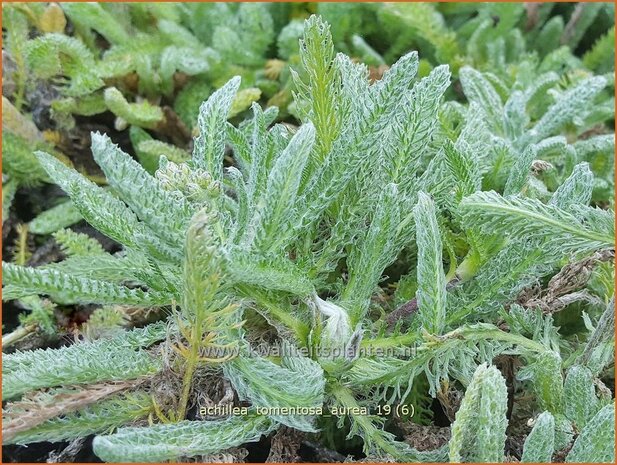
(345, 397)
(283, 315)
(192, 357)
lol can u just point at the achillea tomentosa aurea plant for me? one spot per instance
(301, 230)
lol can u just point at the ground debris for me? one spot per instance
(566, 287)
(425, 437)
(285, 446)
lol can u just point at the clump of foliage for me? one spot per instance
(148, 49)
(388, 220)
(139, 62)
(498, 36)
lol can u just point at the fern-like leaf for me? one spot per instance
(120, 358)
(210, 144)
(540, 442)
(21, 281)
(97, 418)
(98, 207)
(173, 441)
(596, 443)
(298, 383)
(583, 229)
(165, 214)
(479, 430)
(431, 294)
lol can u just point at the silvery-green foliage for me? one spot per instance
(61, 216)
(417, 125)
(99, 207)
(600, 348)
(581, 402)
(93, 15)
(40, 314)
(297, 383)
(509, 271)
(154, 43)
(377, 250)
(572, 104)
(67, 287)
(9, 189)
(596, 442)
(96, 418)
(53, 54)
(309, 227)
(579, 229)
(480, 91)
(527, 130)
(122, 357)
(278, 202)
(161, 211)
(520, 172)
(171, 441)
(479, 430)
(546, 378)
(540, 443)
(532, 324)
(261, 272)
(380, 444)
(564, 432)
(118, 268)
(210, 144)
(575, 190)
(319, 97)
(431, 294)
(460, 159)
(251, 26)
(453, 355)
(77, 244)
(516, 264)
(203, 308)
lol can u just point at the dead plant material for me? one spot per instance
(422, 437)
(173, 127)
(285, 446)
(570, 28)
(27, 413)
(450, 400)
(234, 455)
(566, 287)
(69, 453)
(533, 15)
(210, 392)
(409, 309)
(375, 73)
(49, 252)
(405, 311)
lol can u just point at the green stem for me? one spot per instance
(187, 381)
(470, 333)
(485, 332)
(300, 329)
(191, 364)
(345, 397)
(401, 340)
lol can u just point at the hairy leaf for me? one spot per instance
(176, 440)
